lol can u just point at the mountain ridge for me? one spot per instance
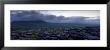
(35, 21)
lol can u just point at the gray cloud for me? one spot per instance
(30, 15)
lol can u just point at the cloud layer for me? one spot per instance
(31, 15)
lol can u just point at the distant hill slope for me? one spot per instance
(37, 21)
(40, 21)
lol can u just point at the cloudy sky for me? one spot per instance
(57, 16)
(87, 13)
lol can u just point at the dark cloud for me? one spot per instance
(30, 15)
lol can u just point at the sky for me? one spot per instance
(57, 16)
(84, 13)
